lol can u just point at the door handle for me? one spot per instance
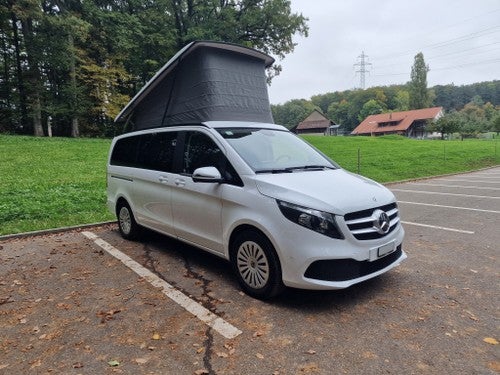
(163, 179)
(180, 181)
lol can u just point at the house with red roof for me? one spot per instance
(411, 124)
(317, 123)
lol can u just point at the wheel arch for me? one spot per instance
(249, 227)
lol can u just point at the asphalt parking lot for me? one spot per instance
(86, 302)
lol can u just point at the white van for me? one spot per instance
(279, 210)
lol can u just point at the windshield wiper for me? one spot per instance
(297, 168)
(276, 170)
(312, 167)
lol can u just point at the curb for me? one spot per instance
(438, 176)
(53, 230)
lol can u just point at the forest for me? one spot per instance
(67, 67)
(472, 108)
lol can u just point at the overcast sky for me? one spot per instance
(460, 41)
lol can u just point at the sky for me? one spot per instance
(460, 41)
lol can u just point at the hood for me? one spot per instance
(336, 191)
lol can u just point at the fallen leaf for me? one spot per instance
(201, 372)
(200, 350)
(114, 363)
(310, 351)
(156, 336)
(495, 366)
(37, 363)
(257, 334)
(222, 355)
(260, 356)
(141, 361)
(107, 315)
(490, 340)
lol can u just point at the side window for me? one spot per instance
(125, 151)
(201, 151)
(156, 151)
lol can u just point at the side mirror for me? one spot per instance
(207, 174)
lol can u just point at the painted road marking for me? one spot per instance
(217, 323)
(469, 180)
(439, 193)
(454, 207)
(437, 227)
(455, 186)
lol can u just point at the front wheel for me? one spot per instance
(129, 229)
(256, 265)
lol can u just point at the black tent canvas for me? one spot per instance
(205, 81)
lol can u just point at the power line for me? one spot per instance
(491, 61)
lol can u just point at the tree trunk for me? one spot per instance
(19, 71)
(37, 115)
(34, 78)
(75, 129)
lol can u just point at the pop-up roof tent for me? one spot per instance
(204, 81)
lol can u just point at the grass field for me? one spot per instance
(54, 182)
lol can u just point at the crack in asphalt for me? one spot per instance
(206, 300)
(150, 262)
(209, 304)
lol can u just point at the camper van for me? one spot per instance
(209, 170)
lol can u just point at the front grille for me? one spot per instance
(348, 269)
(361, 223)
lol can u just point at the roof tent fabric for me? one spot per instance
(205, 81)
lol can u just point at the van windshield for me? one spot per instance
(275, 151)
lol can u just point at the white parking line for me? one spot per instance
(437, 227)
(454, 207)
(469, 180)
(439, 193)
(454, 186)
(217, 323)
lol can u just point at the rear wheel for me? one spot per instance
(256, 265)
(129, 229)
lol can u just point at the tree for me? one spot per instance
(267, 25)
(447, 124)
(339, 112)
(402, 101)
(496, 124)
(419, 96)
(371, 107)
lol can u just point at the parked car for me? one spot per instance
(281, 212)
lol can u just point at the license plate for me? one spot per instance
(386, 249)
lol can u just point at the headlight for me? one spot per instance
(318, 221)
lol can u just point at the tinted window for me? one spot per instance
(149, 151)
(125, 151)
(156, 151)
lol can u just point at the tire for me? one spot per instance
(256, 265)
(129, 229)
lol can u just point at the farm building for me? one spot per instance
(408, 123)
(317, 123)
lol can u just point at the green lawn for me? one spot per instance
(55, 182)
(395, 158)
(51, 182)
